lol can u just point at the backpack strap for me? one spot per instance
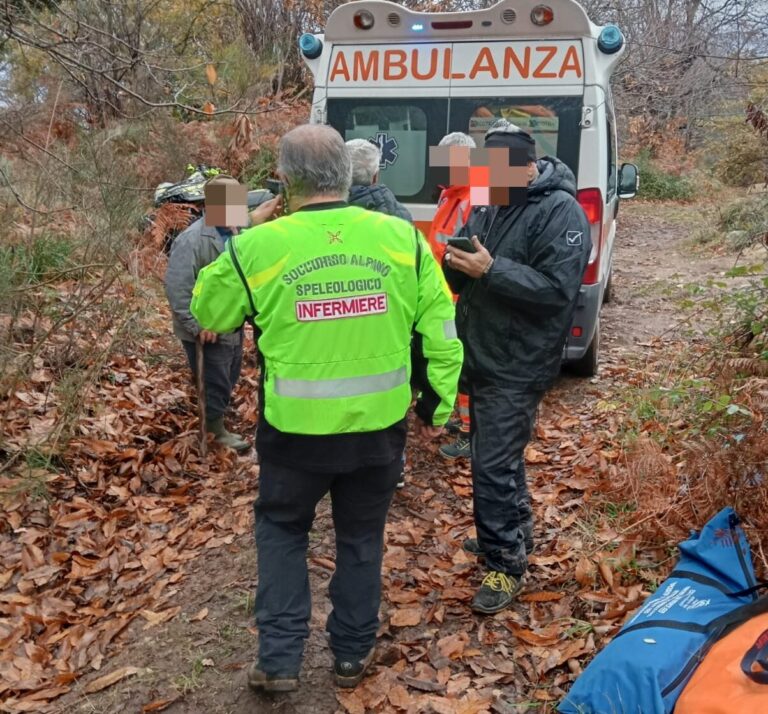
(239, 269)
(757, 655)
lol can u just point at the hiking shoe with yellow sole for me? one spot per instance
(263, 682)
(496, 592)
(348, 673)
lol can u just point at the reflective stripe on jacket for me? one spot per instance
(337, 294)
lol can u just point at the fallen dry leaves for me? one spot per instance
(124, 510)
(131, 504)
(443, 658)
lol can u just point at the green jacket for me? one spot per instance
(336, 294)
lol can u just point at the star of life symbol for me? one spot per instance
(388, 147)
(574, 238)
(334, 237)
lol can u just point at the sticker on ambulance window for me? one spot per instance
(341, 307)
(400, 131)
(539, 121)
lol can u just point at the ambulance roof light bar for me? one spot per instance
(384, 21)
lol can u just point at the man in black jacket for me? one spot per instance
(517, 294)
(366, 191)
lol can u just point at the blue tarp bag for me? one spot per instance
(646, 666)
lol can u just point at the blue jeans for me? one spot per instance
(285, 510)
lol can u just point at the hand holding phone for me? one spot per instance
(462, 243)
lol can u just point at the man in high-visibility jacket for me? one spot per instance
(336, 292)
(453, 209)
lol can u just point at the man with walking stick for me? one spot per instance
(215, 358)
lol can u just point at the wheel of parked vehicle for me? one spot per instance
(587, 365)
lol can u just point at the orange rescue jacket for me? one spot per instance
(452, 213)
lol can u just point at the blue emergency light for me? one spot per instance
(311, 47)
(417, 27)
(610, 40)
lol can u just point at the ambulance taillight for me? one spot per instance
(591, 200)
(542, 15)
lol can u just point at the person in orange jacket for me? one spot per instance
(453, 209)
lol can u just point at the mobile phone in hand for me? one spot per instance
(462, 243)
(275, 186)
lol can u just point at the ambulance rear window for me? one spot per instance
(553, 122)
(404, 129)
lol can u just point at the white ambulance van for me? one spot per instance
(405, 79)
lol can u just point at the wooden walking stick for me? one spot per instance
(199, 372)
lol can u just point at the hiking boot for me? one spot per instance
(224, 437)
(349, 673)
(496, 592)
(459, 449)
(261, 681)
(472, 546)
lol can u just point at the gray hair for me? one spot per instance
(458, 138)
(315, 161)
(365, 157)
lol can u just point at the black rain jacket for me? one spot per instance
(377, 197)
(514, 320)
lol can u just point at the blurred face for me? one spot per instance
(496, 176)
(226, 205)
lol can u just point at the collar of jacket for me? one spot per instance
(324, 205)
(215, 234)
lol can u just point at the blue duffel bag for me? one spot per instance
(646, 666)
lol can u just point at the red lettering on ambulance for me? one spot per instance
(340, 67)
(484, 63)
(571, 63)
(361, 71)
(510, 58)
(539, 72)
(447, 59)
(433, 55)
(396, 65)
(395, 60)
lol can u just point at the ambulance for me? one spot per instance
(405, 79)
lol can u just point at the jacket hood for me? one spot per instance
(375, 192)
(378, 197)
(553, 175)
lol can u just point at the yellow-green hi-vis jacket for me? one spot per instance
(337, 295)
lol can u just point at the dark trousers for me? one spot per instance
(285, 510)
(502, 419)
(221, 370)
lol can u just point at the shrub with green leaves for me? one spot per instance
(659, 185)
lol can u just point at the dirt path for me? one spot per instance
(434, 655)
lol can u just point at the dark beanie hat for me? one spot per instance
(505, 134)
